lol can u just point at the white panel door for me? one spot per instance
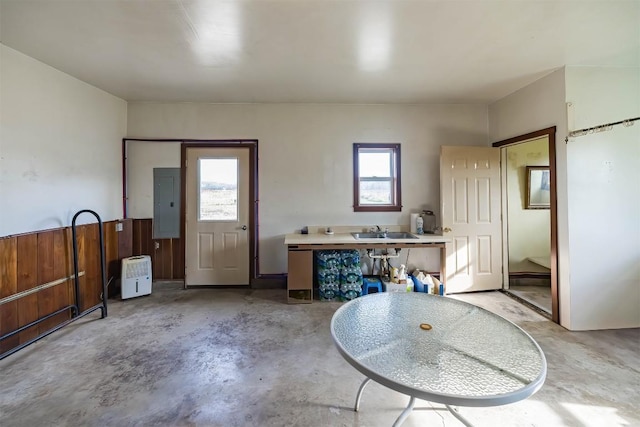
(217, 216)
(470, 197)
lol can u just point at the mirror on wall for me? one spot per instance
(538, 188)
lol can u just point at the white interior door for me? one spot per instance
(217, 216)
(470, 197)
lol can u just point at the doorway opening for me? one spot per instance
(169, 254)
(217, 217)
(530, 220)
(219, 200)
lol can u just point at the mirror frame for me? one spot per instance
(529, 204)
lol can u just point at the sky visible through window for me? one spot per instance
(224, 171)
(375, 164)
(376, 184)
(218, 189)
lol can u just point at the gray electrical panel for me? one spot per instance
(166, 203)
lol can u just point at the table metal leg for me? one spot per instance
(443, 266)
(403, 416)
(364, 383)
(412, 401)
(455, 413)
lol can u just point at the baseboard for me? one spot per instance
(529, 275)
(269, 281)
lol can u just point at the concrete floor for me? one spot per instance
(539, 296)
(245, 358)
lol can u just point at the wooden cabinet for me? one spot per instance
(300, 276)
(301, 247)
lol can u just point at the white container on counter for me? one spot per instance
(414, 222)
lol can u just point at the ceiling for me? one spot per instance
(342, 51)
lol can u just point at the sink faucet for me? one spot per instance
(383, 233)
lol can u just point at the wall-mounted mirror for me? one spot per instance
(538, 188)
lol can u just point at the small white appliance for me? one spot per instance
(136, 276)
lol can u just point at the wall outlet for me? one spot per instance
(118, 226)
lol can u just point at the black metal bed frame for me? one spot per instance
(75, 307)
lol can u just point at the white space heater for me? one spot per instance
(136, 276)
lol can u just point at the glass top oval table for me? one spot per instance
(438, 349)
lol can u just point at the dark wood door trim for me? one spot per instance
(551, 134)
(250, 144)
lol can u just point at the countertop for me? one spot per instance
(347, 238)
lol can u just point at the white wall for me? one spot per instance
(60, 147)
(305, 156)
(604, 198)
(529, 229)
(538, 106)
(598, 198)
(142, 158)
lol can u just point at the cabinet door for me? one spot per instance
(300, 271)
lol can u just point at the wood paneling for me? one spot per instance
(125, 239)
(80, 245)
(46, 303)
(62, 267)
(142, 240)
(91, 286)
(27, 249)
(112, 262)
(110, 236)
(38, 258)
(162, 264)
(8, 287)
(124, 242)
(167, 255)
(178, 259)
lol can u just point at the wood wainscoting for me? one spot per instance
(167, 255)
(34, 259)
(30, 260)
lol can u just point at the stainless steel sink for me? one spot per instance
(382, 235)
(400, 235)
(379, 235)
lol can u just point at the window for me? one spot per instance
(218, 197)
(376, 177)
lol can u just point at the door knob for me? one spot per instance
(244, 227)
(446, 230)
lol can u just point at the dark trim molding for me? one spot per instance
(551, 134)
(529, 275)
(525, 302)
(252, 146)
(270, 281)
(397, 205)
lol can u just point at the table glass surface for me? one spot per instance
(469, 352)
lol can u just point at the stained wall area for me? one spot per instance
(60, 145)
